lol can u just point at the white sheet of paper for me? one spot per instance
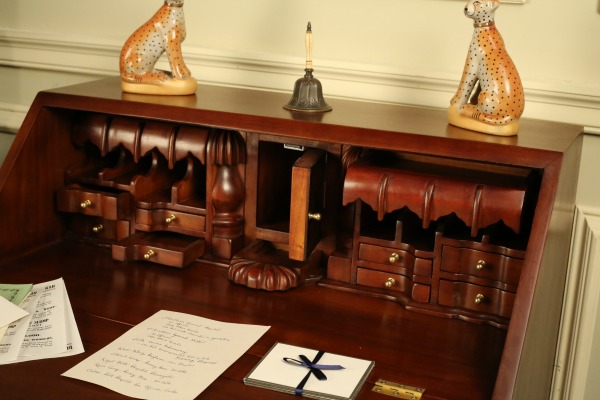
(9, 312)
(10, 344)
(168, 356)
(3, 330)
(74, 343)
(49, 331)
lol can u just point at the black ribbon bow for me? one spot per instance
(314, 369)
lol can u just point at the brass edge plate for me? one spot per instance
(398, 390)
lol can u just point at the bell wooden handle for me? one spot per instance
(309, 46)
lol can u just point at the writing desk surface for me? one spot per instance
(109, 297)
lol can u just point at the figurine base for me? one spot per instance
(171, 87)
(455, 118)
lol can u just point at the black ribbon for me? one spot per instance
(314, 369)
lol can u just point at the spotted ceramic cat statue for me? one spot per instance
(490, 96)
(163, 33)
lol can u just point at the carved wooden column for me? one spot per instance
(340, 262)
(350, 154)
(228, 153)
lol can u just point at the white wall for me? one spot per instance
(399, 51)
(406, 51)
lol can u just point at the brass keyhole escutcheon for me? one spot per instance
(479, 298)
(480, 265)
(98, 228)
(390, 282)
(149, 254)
(394, 257)
(85, 204)
(314, 216)
(170, 219)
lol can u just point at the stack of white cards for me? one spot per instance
(41, 325)
(280, 370)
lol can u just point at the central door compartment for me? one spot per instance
(289, 192)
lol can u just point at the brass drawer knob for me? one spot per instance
(479, 298)
(85, 204)
(394, 258)
(480, 265)
(390, 282)
(98, 228)
(149, 254)
(314, 216)
(170, 219)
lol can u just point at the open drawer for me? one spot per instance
(164, 248)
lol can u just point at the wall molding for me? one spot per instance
(11, 117)
(580, 309)
(98, 57)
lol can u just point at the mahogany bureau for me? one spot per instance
(377, 231)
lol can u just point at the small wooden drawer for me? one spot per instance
(391, 257)
(108, 205)
(164, 248)
(393, 282)
(98, 228)
(168, 220)
(476, 298)
(481, 264)
(385, 255)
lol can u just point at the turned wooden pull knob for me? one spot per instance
(479, 298)
(170, 219)
(314, 216)
(480, 265)
(149, 254)
(98, 228)
(390, 282)
(85, 204)
(394, 258)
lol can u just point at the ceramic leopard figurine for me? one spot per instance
(490, 96)
(163, 33)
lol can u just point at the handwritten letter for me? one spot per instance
(168, 356)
